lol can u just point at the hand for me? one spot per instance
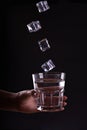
(27, 101)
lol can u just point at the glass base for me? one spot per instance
(49, 109)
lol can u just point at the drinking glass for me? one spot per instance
(50, 89)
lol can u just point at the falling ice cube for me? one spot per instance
(34, 26)
(42, 6)
(47, 66)
(44, 45)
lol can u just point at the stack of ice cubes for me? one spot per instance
(44, 45)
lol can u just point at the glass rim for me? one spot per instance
(49, 73)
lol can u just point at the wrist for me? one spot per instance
(14, 102)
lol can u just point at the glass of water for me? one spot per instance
(50, 89)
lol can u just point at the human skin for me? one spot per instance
(22, 101)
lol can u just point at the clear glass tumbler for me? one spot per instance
(50, 89)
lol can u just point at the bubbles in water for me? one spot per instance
(42, 6)
(47, 66)
(44, 45)
(34, 26)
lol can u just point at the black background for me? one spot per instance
(65, 27)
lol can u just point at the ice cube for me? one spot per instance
(34, 26)
(42, 6)
(48, 65)
(44, 45)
